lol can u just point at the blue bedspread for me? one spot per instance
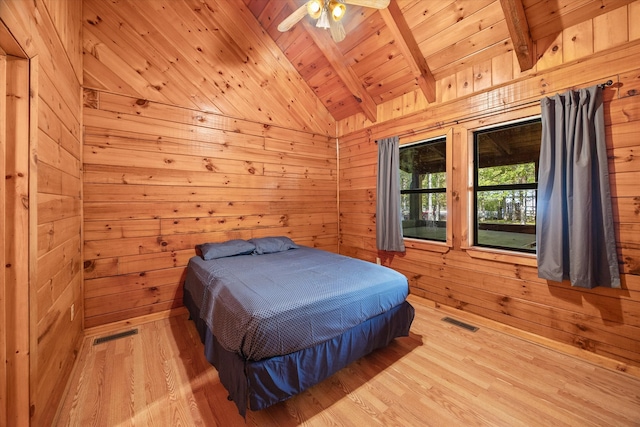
(261, 306)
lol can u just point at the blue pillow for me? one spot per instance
(269, 245)
(225, 249)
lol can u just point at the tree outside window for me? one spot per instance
(505, 185)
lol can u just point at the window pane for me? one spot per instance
(524, 173)
(507, 219)
(423, 190)
(508, 146)
(505, 185)
(430, 222)
(423, 165)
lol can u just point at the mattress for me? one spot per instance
(260, 306)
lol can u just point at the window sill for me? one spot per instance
(503, 256)
(424, 245)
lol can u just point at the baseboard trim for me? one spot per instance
(135, 321)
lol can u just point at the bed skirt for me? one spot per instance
(259, 384)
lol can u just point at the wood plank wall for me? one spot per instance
(586, 37)
(160, 179)
(3, 256)
(501, 287)
(49, 32)
(15, 298)
(214, 58)
(179, 150)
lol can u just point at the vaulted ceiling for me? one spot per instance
(412, 43)
(227, 57)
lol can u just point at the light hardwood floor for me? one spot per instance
(441, 375)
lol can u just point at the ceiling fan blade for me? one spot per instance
(337, 30)
(293, 19)
(376, 4)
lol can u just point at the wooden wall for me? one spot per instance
(14, 232)
(48, 31)
(494, 284)
(160, 179)
(214, 58)
(560, 47)
(179, 149)
(3, 255)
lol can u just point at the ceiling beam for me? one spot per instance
(328, 47)
(519, 31)
(406, 42)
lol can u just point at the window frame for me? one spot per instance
(475, 188)
(428, 244)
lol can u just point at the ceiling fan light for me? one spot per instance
(314, 8)
(337, 10)
(323, 22)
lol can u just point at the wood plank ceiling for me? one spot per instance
(409, 45)
(206, 56)
(228, 57)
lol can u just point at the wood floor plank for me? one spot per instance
(440, 375)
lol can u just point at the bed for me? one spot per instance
(276, 318)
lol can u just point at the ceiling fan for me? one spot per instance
(328, 14)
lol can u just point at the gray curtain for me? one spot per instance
(388, 215)
(574, 225)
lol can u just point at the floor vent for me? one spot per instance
(460, 324)
(115, 336)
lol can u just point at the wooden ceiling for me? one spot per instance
(412, 43)
(228, 58)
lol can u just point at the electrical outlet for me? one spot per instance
(378, 260)
(73, 311)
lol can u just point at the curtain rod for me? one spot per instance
(607, 83)
(478, 116)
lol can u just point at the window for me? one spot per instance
(505, 185)
(423, 190)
